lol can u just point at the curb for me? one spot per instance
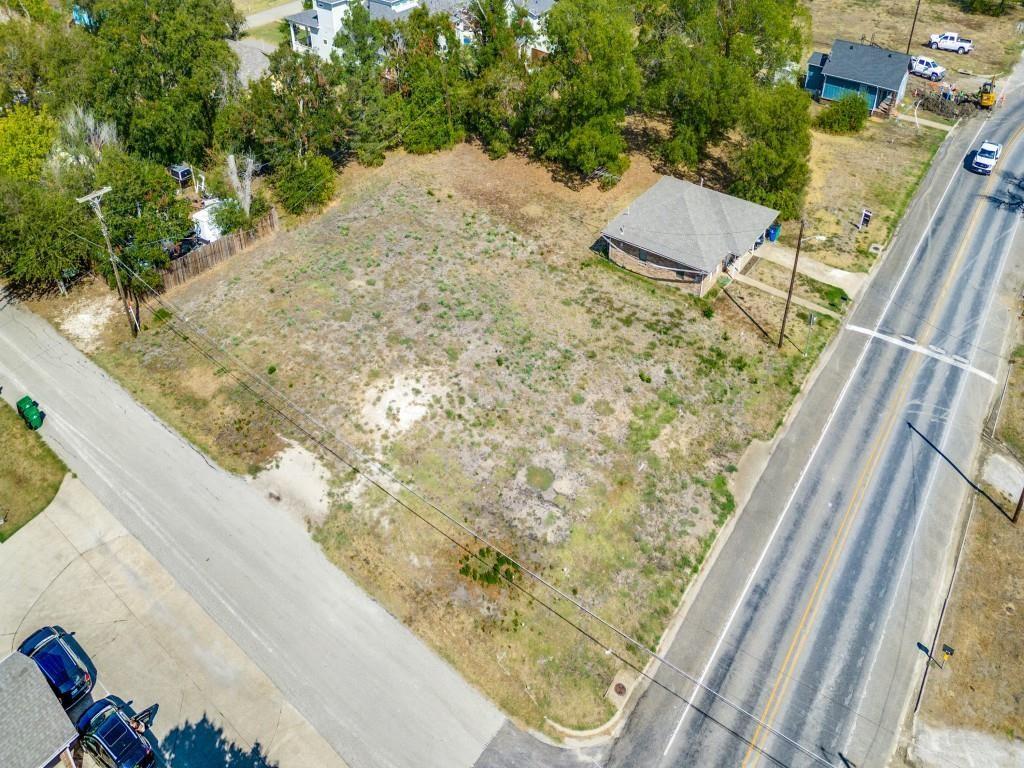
(605, 733)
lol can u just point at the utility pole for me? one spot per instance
(910, 40)
(93, 200)
(792, 282)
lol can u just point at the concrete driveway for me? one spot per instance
(77, 567)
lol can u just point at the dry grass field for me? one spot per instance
(30, 473)
(878, 169)
(448, 317)
(887, 23)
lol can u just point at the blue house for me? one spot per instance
(877, 74)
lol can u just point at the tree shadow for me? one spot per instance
(203, 745)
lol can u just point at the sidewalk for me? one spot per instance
(851, 282)
(76, 566)
(771, 291)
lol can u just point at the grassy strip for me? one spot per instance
(30, 473)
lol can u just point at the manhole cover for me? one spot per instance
(620, 689)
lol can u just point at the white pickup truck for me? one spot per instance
(950, 41)
(922, 66)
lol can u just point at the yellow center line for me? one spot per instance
(796, 645)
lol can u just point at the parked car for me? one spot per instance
(929, 68)
(951, 41)
(181, 173)
(60, 665)
(113, 738)
(986, 157)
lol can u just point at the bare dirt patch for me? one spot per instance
(85, 320)
(448, 315)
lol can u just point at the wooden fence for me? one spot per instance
(203, 258)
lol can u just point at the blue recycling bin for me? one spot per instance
(773, 232)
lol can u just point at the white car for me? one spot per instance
(951, 41)
(929, 68)
(986, 157)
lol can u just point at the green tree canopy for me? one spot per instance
(26, 137)
(160, 70)
(772, 168)
(426, 58)
(294, 110)
(497, 108)
(586, 85)
(372, 116)
(144, 214)
(46, 237)
(41, 63)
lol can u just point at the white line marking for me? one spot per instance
(931, 479)
(929, 351)
(835, 408)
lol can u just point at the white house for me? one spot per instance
(315, 29)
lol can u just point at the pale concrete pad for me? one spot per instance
(944, 747)
(1005, 474)
(74, 565)
(851, 282)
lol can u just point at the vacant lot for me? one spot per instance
(30, 473)
(878, 169)
(448, 317)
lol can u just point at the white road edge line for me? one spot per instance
(928, 351)
(950, 428)
(814, 453)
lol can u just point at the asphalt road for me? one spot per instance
(373, 690)
(807, 627)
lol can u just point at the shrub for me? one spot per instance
(848, 115)
(304, 183)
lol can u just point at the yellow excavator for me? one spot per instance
(987, 95)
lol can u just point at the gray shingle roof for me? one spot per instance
(392, 10)
(537, 8)
(33, 725)
(867, 64)
(817, 59)
(305, 19)
(690, 225)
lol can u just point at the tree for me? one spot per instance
(144, 215)
(81, 141)
(40, 64)
(497, 109)
(25, 140)
(302, 183)
(160, 71)
(762, 36)
(46, 237)
(588, 82)
(702, 93)
(427, 60)
(372, 116)
(294, 110)
(772, 168)
(847, 115)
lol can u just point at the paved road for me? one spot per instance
(808, 624)
(368, 685)
(276, 13)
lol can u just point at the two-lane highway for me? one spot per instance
(811, 615)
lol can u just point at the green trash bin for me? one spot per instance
(28, 409)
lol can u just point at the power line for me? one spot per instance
(328, 433)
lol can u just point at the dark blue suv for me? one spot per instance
(112, 738)
(63, 670)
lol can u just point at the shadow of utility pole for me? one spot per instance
(959, 471)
